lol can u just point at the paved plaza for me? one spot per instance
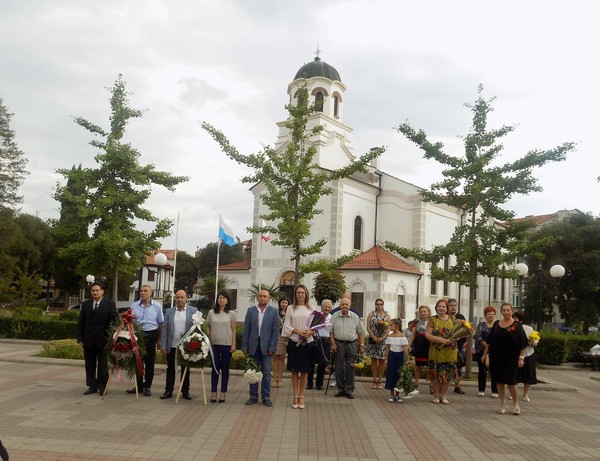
(45, 416)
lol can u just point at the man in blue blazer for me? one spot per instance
(178, 320)
(95, 317)
(261, 330)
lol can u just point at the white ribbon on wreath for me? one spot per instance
(197, 321)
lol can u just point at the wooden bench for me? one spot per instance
(593, 360)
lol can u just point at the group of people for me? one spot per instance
(500, 346)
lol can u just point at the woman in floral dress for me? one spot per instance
(442, 352)
(378, 322)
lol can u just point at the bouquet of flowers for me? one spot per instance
(406, 382)
(461, 329)
(194, 346)
(534, 338)
(125, 348)
(359, 362)
(253, 374)
(381, 327)
(315, 322)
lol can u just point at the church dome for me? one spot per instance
(318, 68)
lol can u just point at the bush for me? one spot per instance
(553, 349)
(62, 349)
(72, 316)
(44, 329)
(28, 312)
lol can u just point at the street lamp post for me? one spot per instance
(160, 259)
(556, 271)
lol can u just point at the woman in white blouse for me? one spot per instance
(300, 344)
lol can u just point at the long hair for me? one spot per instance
(227, 306)
(306, 303)
(284, 298)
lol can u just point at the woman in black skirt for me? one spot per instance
(527, 374)
(300, 344)
(419, 343)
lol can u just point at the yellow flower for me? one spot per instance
(359, 365)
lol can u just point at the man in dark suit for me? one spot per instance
(95, 317)
(261, 331)
(178, 320)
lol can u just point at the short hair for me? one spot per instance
(423, 306)
(97, 284)
(518, 315)
(226, 296)
(441, 301)
(506, 304)
(489, 309)
(452, 300)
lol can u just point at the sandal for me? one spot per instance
(295, 402)
(301, 405)
(516, 411)
(436, 401)
(445, 402)
(374, 385)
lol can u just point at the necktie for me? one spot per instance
(95, 306)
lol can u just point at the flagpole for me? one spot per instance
(175, 260)
(217, 270)
(260, 259)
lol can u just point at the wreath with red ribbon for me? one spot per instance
(125, 347)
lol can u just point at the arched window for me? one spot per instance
(357, 233)
(336, 106)
(319, 101)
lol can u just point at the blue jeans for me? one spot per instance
(222, 357)
(265, 362)
(482, 375)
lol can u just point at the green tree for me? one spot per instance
(480, 185)
(207, 257)
(294, 183)
(186, 275)
(207, 287)
(274, 292)
(574, 243)
(113, 202)
(329, 284)
(12, 163)
(70, 228)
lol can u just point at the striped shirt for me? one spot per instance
(346, 327)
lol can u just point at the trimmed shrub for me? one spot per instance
(62, 349)
(44, 329)
(553, 349)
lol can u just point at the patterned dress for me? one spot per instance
(420, 344)
(442, 357)
(376, 351)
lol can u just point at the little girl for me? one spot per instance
(396, 352)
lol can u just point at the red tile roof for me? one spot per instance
(170, 254)
(537, 220)
(237, 266)
(378, 258)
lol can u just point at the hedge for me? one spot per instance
(41, 329)
(557, 348)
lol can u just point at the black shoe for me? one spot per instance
(458, 390)
(132, 391)
(319, 388)
(251, 402)
(147, 392)
(349, 395)
(101, 390)
(90, 390)
(267, 403)
(166, 395)
(340, 394)
(309, 386)
(186, 395)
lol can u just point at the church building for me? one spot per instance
(363, 212)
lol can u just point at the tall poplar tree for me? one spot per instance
(113, 200)
(12, 163)
(477, 183)
(294, 182)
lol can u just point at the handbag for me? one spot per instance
(319, 356)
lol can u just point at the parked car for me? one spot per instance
(563, 328)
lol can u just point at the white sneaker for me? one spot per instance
(494, 396)
(333, 384)
(481, 394)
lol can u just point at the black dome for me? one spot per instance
(318, 68)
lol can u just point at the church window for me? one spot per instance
(336, 106)
(319, 101)
(357, 233)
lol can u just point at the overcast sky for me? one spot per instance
(229, 62)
